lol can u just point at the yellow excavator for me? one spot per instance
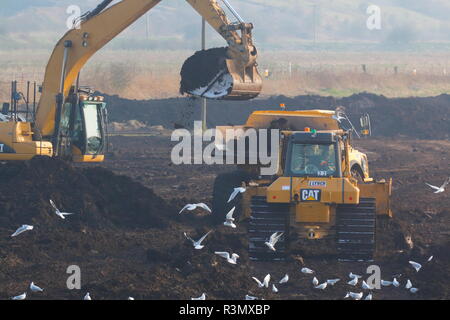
(70, 122)
(320, 188)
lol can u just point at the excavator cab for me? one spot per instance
(89, 135)
(82, 133)
(80, 129)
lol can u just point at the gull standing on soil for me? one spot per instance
(353, 282)
(274, 289)
(193, 206)
(265, 282)
(22, 229)
(202, 297)
(226, 255)
(273, 240)
(60, 214)
(284, 280)
(20, 297)
(441, 188)
(333, 281)
(307, 271)
(415, 265)
(395, 283)
(197, 244)
(408, 284)
(35, 288)
(87, 297)
(413, 290)
(235, 192)
(229, 220)
(315, 282)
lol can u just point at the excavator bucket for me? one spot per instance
(212, 74)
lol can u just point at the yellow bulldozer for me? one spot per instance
(321, 187)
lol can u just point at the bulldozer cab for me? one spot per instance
(313, 155)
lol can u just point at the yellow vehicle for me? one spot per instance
(322, 188)
(70, 123)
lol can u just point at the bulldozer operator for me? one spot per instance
(316, 160)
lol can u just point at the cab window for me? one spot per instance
(93, 128)
(316, 160)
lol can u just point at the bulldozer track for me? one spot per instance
(266, 219)
(356, 230)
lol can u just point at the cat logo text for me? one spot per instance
(310, 194)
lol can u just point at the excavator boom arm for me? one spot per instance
(216, 17)
(99, 27)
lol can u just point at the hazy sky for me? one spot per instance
(278, 23)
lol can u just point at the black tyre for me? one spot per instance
(223, 187)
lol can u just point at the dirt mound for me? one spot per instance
(199, 69)
(423, 118)
(120, 231)
(130, 125)
(97, 196)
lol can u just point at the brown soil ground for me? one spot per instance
(128, 240)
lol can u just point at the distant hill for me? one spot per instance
(278, 23)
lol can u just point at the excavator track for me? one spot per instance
(266, 219)
(356, 230)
